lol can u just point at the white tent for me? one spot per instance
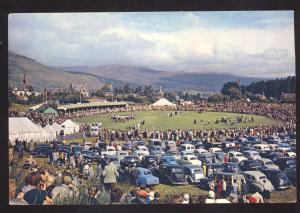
(51, 132)
(163, 102)
(24, 129)
(70, 127)
(56, 127)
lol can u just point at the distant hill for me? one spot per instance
(40, 76)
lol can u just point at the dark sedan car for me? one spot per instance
(171, 174)
(76, 150)
(285, 162)
(272, 155)
(249, 165)
(278, 178)
(42, 151)
(130, 161)
(148, 161)
(231, 167)
(127, 146)
(87, 155)
(291, 174)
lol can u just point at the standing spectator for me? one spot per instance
(63, 192)
(13, 199)
(204, 168)
(21, 151)
(72, 160)
(224, 189)
(110, 174)
(156, 198)
(219, 188)
(10, 155)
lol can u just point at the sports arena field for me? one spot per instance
(184, 120)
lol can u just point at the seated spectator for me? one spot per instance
(13, 199)
(156, 198)
(92, 192)
(64, 191)
(115, 196)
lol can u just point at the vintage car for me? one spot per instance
(236, 156)
(111, 150)
(216, 167)
(267, 163)
(171, 174)
(285, 162)
(290, 154)
(228, 145)
(258, 181)
(278, 178)
(175, 153)
(206, 157)
(291, 174)
(138, 153)
(87, 155)
(121, 154)
(96, 151)
(228, 177)
(155, 142)
(138, 143)
(272, 155)
(102, 145)
(170, 145)
(42, 151)
(251, 155)
(143, 149)
(148, 161)
(193, 173)
(144, 177)
(219, 157)
(168, 159)
(192, 159)
(261, 147)
(198, 144)
(127, 146)
(156, 151)
(215, 149)
(249, 165)
(200, 151)
(130, 161)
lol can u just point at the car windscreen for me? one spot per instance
(268, 163)
(262, 177)
(288, 162)
(239, 155)
(193, 158)
(110, 150)
(147, 173)
(177, 170)
(156, 143)
(197, 171)
(122, 153)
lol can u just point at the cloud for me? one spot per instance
(186, 41)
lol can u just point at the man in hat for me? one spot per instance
(64, 191)
(110, 174)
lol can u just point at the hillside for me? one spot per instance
(40, 76)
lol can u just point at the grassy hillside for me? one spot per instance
(40, 76)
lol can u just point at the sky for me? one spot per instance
(247, 43)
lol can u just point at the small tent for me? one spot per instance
(50, 110)
(70, 127)
(22, 128)
(163, 102)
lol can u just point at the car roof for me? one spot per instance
(255, 173)
(142, 169)
(190, 166)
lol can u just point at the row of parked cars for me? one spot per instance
(262, 164)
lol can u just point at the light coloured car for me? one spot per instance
(215, 149)
(273, 147)
(111, 150)
(290, 154)
(200, 151)
(143, 149)
(192, 159)
(258, 181)
(138, 153)
(236, 156)
(251, 155)
(193, 173)
(187, 148)
(122, 154)
(261, 147)
(267, 163)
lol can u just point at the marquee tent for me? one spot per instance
(56, 127)
(51, 132)
(22, 128)
(163, 102)
(70, 127)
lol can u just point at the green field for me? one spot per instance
(160, 120)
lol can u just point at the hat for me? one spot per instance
(67, 180)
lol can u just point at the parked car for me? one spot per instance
(216, 167)
(249, 165)
(144, 177)
(291, 174)
(261, 147)
(42, 151)
(87, 155)
(228, 177)
(170, 145)
(193, 173)
(127, 146)
(236, 156)
(219, 157)
(278, 178)
(267, 163)
(258, 181)
(111, 150)
(228, 145)
(246, 148)
(87, 145)
(138, 143)
(157, 151)
(130, 161)
(198, 144)
(122, 154)
(155, 142)
(148, 161)
(102, 145)
(200, 151)
(231, 167)
(138, 153)
(171, 174)
(143, 150)
(167, 159)
(192, 159)
(290, 154)
(285, 162)
(186, 148)
(73, 144)
(175, 153)
(272, 155)
(206, 157)
(251, 155)
(96, 151)
(105, 161)
(215, 149)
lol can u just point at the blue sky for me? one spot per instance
(256, 43)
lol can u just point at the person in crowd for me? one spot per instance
(38, 195)
(13, 199)
(110, 174)
(186, 199)
(115, 196)
(92, 193)
(21, 151)
(204, 168)
(28, 184)
(156, 198)
(64, 191)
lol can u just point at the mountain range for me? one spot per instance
(40, 76)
